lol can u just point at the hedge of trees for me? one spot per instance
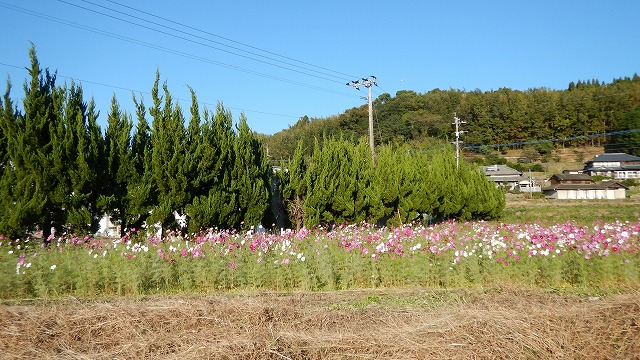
(339, 183)
(59, 170)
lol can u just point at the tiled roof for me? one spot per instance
(572, 177)
(592, 186)
(500, 179)
(500, 170)
(614, 157)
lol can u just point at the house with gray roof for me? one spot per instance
(618, 166)
(503, 175)
(570, 178)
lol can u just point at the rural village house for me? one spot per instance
(617, 166)
(580, 186)
(510, 178)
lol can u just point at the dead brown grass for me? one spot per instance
(373, 324)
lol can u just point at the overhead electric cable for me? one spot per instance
(73, 78)
(160, 48)
(189, 40)
(518, 143)
(346, 76)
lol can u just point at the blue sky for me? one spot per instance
(277, 61)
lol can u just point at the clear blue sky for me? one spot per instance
(277, 61)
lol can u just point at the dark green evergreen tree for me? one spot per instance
(141, 194)
(167, 158)
(8, 176)
(387, 184)
(192, 156)
(316, 201)
(337, 182)
(34, 148)
(217, 204)
(120, 167)
(8, 113)
(629, 140)
(294, 187)
(83, 154)
(482, 200)
(446, 185)
(250, 176)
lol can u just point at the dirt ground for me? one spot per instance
(500, 322)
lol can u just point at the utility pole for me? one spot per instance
(530, 185)
(457, 123)
(367, 83)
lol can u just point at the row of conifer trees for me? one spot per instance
(60, 171)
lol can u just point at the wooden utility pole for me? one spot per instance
(367, 83)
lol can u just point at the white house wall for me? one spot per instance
(626, 175)
(608, 194)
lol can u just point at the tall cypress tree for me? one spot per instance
(216, 203)
(83, 155)
(386, 183)
(446, 185)
(167, 157)
(34, 150)
(293, 186)
(8, 117)
(250, 176)
(119, 163)
(141, 194)
(192, 157)
(7, 113)
(317, 185)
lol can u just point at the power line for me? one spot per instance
(201, 38)
(552, 140)
(72, 78)
(168, 50)
(227, 39)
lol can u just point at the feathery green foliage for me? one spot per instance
(340, 184)
(58, 170)
(250, 176)
(35, 155)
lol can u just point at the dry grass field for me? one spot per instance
(492, 323)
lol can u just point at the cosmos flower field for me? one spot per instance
(600, 257)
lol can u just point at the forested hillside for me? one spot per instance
(503, 116)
